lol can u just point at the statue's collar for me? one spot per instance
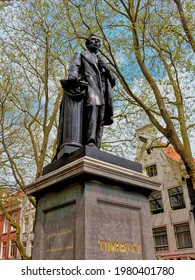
(90, 57)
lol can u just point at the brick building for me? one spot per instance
(173, 223)
(20, 208)
(12, 201)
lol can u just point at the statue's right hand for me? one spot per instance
(72, 78)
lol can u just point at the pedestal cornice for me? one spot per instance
(97, 168)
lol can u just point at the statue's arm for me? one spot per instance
(75, 67)
(107, 71)
(112, 79)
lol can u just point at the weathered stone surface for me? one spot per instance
(91, 209)
(120, 221)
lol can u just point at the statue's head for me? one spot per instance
(93, 43)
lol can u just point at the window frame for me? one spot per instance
(182, 234)
(3, 249)
(156, 233)
(151, 170)
(26, 224)
(175, 197)
(5, 225)
(32, 222)
(12, 249)
(31, 247)
(156, 201)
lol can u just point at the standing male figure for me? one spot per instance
(98, 109)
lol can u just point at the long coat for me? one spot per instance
(84, 67)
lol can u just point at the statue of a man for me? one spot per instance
(98, 109)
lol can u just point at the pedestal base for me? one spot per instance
(91, 209)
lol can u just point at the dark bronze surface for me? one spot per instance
(69, 156)
(87, 101)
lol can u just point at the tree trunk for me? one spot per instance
(191, 193)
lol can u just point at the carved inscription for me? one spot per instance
(59, 232)
(60, 249)
(122, 247)
(54, 235)
(119, 231)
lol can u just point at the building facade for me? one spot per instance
(8, 249)
(23, 213)
(172, 220)
(173, 223)
(26, 224)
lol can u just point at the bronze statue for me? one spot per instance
(87, 69)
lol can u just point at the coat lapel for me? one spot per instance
(90, 58)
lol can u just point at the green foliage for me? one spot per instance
(34, 55)
(148, 44)
(145, 44)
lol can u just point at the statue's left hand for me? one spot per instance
(103, 65)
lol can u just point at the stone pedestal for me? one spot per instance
(91, 209)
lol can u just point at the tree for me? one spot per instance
(7, 201)
(149, 46)
(33, 56)
(152, 40)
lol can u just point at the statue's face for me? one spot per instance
(93, 43)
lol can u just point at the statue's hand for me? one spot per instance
(73, 78)
(103, 66)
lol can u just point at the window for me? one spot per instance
(3, 249)
(156, 204)
(148, 151)
(5, 226)
(12, 249)
(31, 247)
(183, 237)
(160, 239)
(24, 245)
(151, 170)
(176, 198)
(32, 223)
(26, 224)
